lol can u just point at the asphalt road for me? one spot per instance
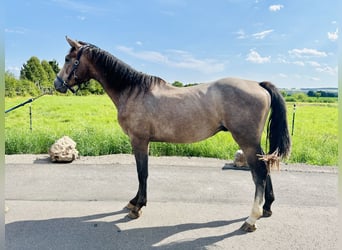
(193, 203)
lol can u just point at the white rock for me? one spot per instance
(240, 159)
(63, 150)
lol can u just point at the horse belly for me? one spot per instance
(184, 131)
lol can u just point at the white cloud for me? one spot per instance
(299, 63)
(176, 59)
(17, 30)
(151, 56)
(82, 18)
(333, 36)
(255, 57)
(307, 53)
(262, 34)
(313, 64)
(78, 6)
(241, 34)
(183, 59)
(276, 7)
(316, 79)
(327, 69)
(14, 70)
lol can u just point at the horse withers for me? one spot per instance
(151, 110)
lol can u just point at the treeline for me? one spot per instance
(180, 84)
(36, 77)
(321, 93)
(309, 97)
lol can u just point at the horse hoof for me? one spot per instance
(134, 214)
(266, 213)
(130, 206)
(248, 228)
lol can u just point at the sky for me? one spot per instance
(292, 43)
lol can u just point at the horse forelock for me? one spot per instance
(119, 74)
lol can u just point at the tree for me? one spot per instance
(54, 65)
(34, 72)
(93, 87)
(311, 93)
(10, 84)
(177, 84)
(300, 97)
(283, 93)
(191, 84)
(318, 94)
(22, 87)
(49, 71)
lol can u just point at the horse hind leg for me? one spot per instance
(269, 197)
(259, 174)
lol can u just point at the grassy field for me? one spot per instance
(91, 122)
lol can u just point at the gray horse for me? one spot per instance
(151, 110)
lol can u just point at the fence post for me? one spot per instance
(30, 117)
(293, 118)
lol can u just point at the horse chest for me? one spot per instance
(133, 121)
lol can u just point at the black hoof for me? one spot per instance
(135, 213)
(248, 228)
(266, 213)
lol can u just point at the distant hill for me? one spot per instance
(330, 90)
(306, 90)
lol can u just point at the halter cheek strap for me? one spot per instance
(65, 84)
(72, 73)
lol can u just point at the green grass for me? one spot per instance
(91, 121)
(315, 139)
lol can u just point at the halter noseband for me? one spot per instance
(72, 73)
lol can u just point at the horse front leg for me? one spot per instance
(141, 157)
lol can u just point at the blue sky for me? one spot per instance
(292, 43)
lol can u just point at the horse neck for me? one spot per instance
(116, 77)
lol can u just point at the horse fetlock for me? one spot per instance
(130, 206)
(248, 227)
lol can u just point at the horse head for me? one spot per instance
(75, 69)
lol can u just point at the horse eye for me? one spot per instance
(67, 59)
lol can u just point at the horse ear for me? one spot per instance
(73, 43)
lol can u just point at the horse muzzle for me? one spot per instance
(62, 86)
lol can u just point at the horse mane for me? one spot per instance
(119, 74)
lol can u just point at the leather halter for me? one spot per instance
(72, 73)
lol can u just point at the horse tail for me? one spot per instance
(277, 129)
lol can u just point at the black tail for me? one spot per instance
(277, 129)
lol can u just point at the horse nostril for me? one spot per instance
(59, 85)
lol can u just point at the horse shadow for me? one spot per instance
(90, 232)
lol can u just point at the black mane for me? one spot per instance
(120, 75)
